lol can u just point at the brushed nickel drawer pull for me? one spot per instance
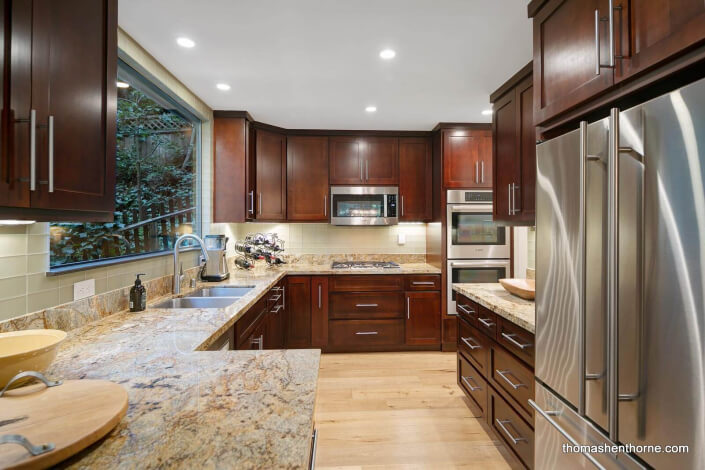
(367, 305)
(486, 322)
(516, 343)
(470, 345)
(467, 383)
(423, 283)
(501, 423)
(466, 309)
(366, 333)
(506, 379)
(275, 298)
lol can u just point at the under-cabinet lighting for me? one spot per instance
(185, 42)
(16, 222)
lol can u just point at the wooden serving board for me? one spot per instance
(71, 416)
(524, 288)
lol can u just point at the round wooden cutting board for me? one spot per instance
(71, 416)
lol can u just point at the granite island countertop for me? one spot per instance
(189, 407)
(493, 296)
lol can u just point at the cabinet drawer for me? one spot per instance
(246, 324)
(486, 322)
(366, 305)
(365, 333)
(517, 340)
(423, 282)
(512, 376)
(362, 283)
(513, 430)
(472, 383)
(474, 346)
(466, 309)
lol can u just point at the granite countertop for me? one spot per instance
(494, 297)
(189, 407)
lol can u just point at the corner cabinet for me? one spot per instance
(59, 101)
(307, 178)
(270, 163)
(467, 157)
(514, 150)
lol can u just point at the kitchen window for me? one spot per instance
(157, 181)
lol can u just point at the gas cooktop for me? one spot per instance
(364, 265)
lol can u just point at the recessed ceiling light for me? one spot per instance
(486, 112)
(222, 86)
(387, 54)
(122, 84)
(371, 109)
(185, 42)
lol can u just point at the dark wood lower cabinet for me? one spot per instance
(499, 381)
(365, 335)
(423, 319)
(298, 315)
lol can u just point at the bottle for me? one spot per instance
(138, 296)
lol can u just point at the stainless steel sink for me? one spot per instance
(222, 291)
(197, 302)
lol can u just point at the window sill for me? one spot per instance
(72, 268)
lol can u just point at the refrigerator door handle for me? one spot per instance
(583, 258)
(547, 416)
(612, 271)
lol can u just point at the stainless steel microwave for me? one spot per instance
(363, 205)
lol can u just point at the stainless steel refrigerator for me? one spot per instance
(620, 288)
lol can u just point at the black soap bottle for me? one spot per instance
(138, 296)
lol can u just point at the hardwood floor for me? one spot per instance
(399, 410)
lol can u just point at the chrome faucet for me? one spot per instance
(178, 268)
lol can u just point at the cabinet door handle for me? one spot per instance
(283, 296)
(408, 314)
(325, 206)
(477, 173)
(51, 154)
(362, 180)
(402, 205)
(509, 199)
(367, 170)
(466, 380)
(610, 26)
(597, 42)
(33, 150)
(319, 296)
(260, 203)
(482, 171)
(486, 322)
(502, 373)
(469, 344)
(501, 423)
(367, 305)
(366, 333)
(516, 343)
(252, 202)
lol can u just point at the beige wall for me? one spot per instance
(24, 250)
(331, 239)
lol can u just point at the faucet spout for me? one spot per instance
(177, 245)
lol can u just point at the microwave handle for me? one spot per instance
(472, 264)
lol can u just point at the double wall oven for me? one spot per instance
(478, 249)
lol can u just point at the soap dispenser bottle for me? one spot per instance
(138, 296)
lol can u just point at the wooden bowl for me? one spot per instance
(25, 350)
(524, 288)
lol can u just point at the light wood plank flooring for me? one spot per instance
(398, 410)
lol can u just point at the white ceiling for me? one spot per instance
(315, 63)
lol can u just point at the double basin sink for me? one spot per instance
(208, 297)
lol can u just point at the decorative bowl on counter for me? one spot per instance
(26, 350)
(524, 288)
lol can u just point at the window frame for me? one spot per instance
(150, 84)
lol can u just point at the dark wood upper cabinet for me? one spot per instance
(233, 185)
(381, 156)
(358, 160)
(307, 178)
(653, 31)
(270, 161)
(565, 73)
(415, 184)
(61, 60)
(346, 160)
(298, 312)
(467, 158)
(423, 318)
(514, 149)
